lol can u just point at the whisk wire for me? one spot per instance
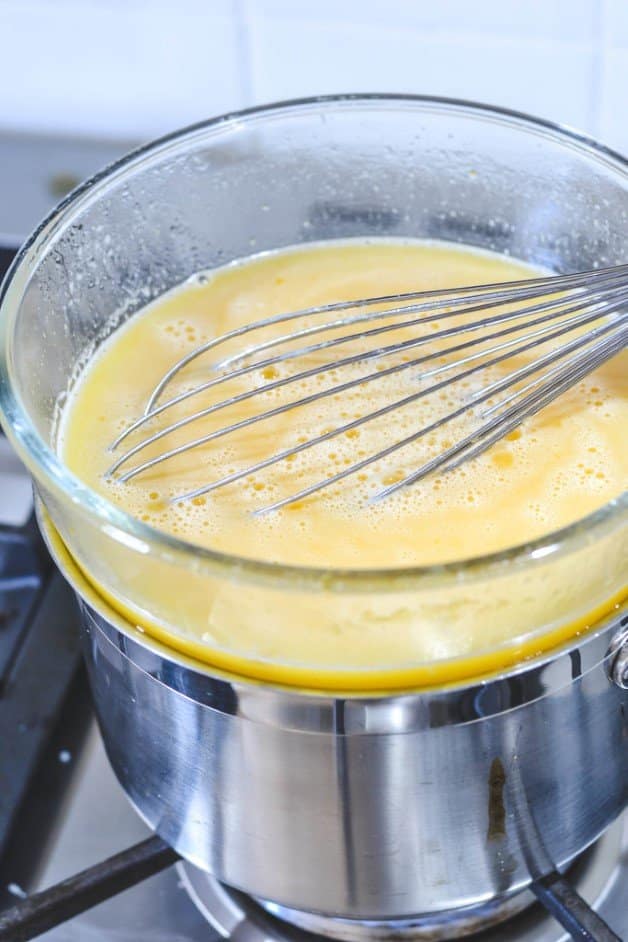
(537, 312)
(505, 383)
(505, 423)
(495, 429)
(152, 410)
(454, 307)
(477, 293)
(595, 312)
(509, 315)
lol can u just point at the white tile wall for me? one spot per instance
(564, 19)
(613, 114)
(519, 74)
(617, 22)
(140, 67)
(122, 67)
(614, 102)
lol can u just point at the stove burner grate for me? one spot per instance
(520, 919)
(240, 917)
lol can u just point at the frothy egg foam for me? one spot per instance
(557, 467)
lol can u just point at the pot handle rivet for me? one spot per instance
(618, 658)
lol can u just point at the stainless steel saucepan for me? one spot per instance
(365, 807)
(376, 787)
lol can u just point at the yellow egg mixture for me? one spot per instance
(565, 462)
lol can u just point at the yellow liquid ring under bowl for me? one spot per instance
(478, 667)
(382, 630)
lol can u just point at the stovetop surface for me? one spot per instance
(98, 821)
(75, 814)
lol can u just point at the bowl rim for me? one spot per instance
(46, 465)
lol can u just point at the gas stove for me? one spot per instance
(77, 864)
(182, 904)
(62, 811)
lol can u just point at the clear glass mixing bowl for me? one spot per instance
(339, 167)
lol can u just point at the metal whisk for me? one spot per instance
(501, 321)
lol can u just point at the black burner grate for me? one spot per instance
(39, 665)
(41, 912)
(39, 640)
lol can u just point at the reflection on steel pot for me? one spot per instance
(375, 807)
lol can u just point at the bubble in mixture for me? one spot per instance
(553, 469)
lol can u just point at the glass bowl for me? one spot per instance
(350, 166)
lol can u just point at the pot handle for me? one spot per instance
(618, 657)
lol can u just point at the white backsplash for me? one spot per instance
(141, 67)
(16, 493)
